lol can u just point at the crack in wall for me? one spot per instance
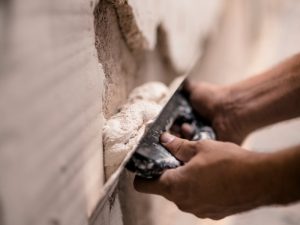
(128, 25)
(123, 52)
(116, 58)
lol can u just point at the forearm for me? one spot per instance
(287, 165)
(268, 98)
(272, 178)
(219, 179)
(265, 179)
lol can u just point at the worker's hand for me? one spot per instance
(214, 103)
(218, 179)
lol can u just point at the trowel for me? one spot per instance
(150, 158)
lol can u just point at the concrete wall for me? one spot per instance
(66, 66)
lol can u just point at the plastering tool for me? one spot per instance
(150, 158)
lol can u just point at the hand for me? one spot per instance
(214, 103)
(218, 179)
(241, 108)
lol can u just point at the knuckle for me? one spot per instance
(182, 207)
(193, 150)
(208, 216)
(216, 216)
(208, 213)
(219, 124)
(230, 145)
(200, 145)
(183, 201)
(180, 146)
(204, 144)
(137, 185)
(167, 184)
(193, 145)
(172, 187)
(201, 215)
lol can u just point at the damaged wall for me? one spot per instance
(148, 33)
(66, 66)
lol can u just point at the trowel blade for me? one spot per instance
(150, 158)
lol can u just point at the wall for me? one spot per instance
(65, 67)
(50, 109)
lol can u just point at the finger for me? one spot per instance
(175, 130)
(187, 131)
(147, 185)
(159, 186)
(176, 134)
(182, 149)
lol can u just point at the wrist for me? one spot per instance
(278, 177)
(231, 117)
(269, 176)
(286, 163)
(261, 176)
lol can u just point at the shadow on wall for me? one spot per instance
(124, 67)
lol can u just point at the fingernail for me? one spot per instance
(166, 138)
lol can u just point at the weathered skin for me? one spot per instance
(220, 178)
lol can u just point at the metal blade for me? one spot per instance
(150, 158)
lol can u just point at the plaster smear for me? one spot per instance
(123, 130)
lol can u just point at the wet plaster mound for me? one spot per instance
(134, 41)
(123, 130)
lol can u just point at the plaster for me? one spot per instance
(123, 130)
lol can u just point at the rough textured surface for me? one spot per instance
(141, 22)
(187, 25)
(118, 63)
(123, 130)
(139, 26)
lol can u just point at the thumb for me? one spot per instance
(182, 149)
